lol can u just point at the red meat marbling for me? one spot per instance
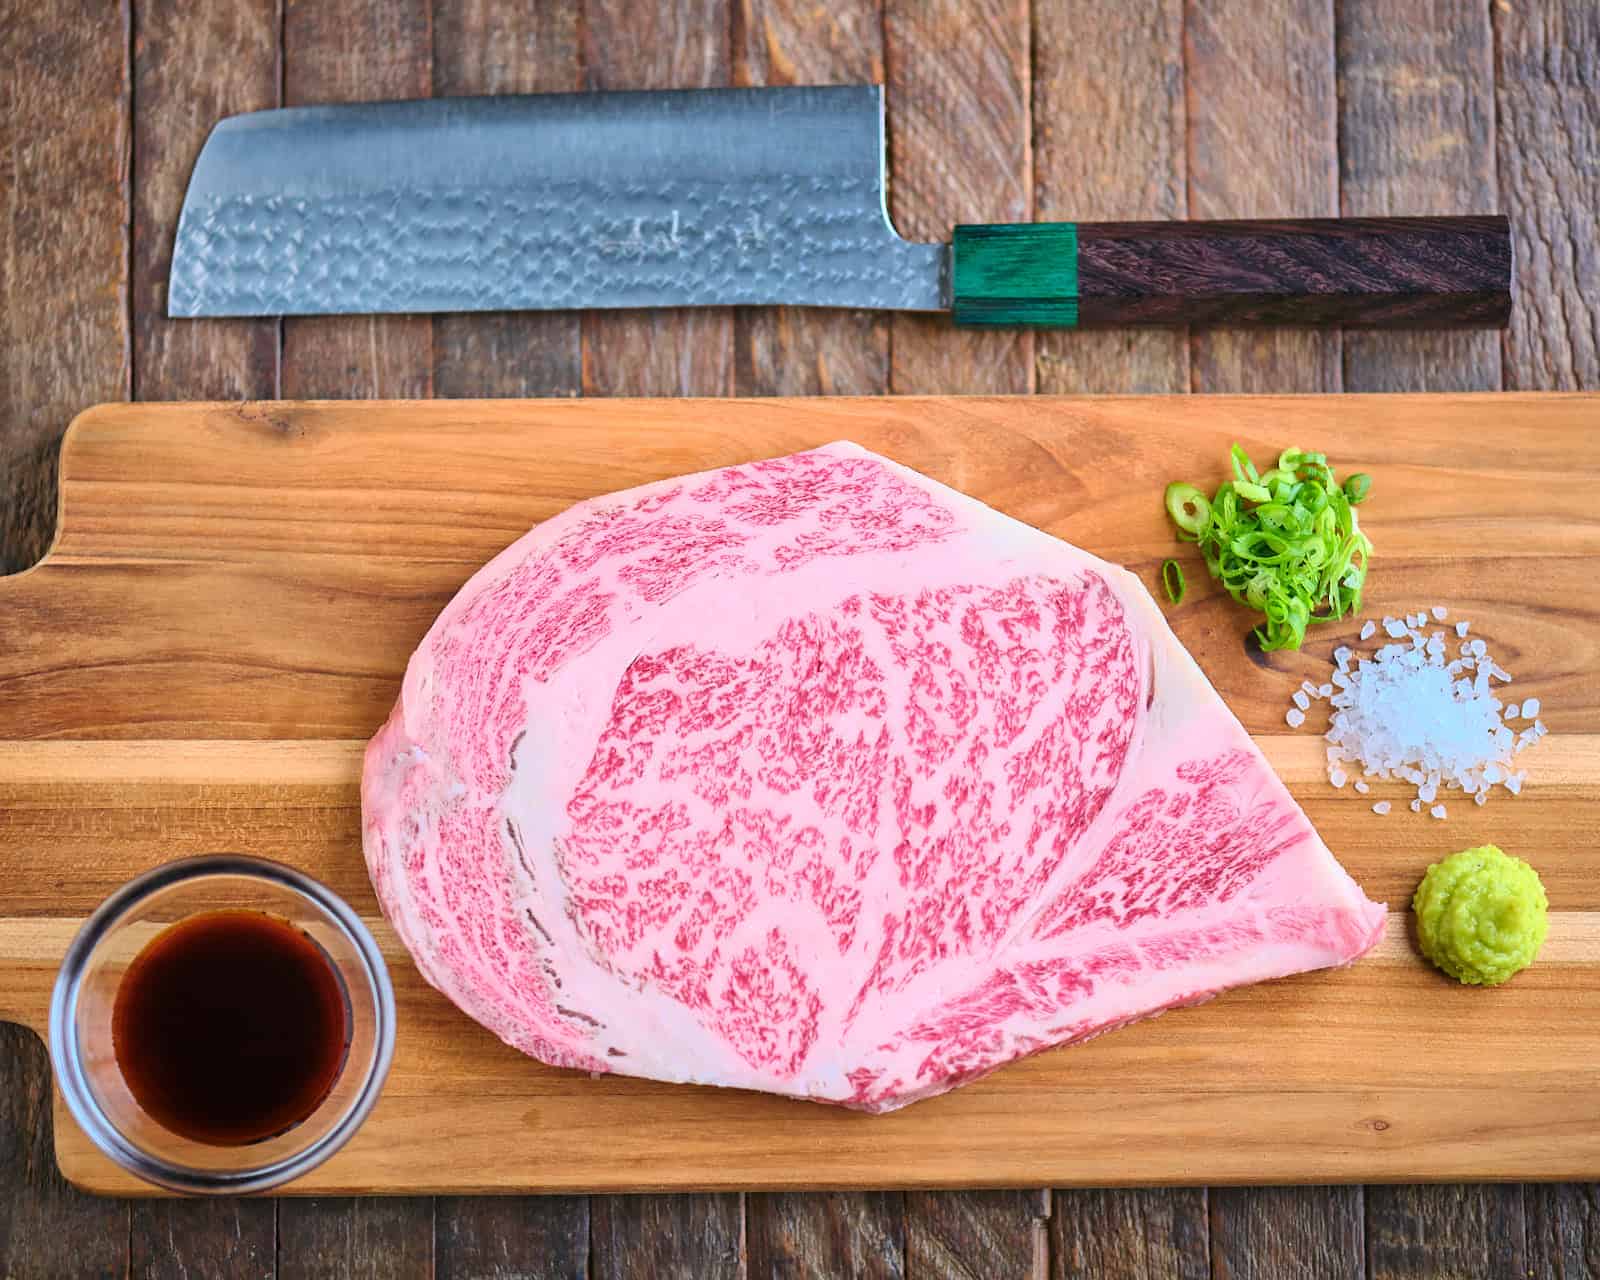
(815, 776)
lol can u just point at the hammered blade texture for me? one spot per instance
(707, 198)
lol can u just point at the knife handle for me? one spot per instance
(1383, 273)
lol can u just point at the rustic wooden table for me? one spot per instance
(997, 111)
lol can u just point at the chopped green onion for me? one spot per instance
(1285, 542)
(1172, 580)
(1188, 507)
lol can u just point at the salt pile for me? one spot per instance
(1411, 713)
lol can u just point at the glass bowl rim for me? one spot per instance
(74, 1084)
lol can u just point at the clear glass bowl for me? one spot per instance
(81, 1010)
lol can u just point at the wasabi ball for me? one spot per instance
(1481, 915)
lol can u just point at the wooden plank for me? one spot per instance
(662, 353)
(1416, 136)
(1350, 1016)
(65, 133)
(64, 273)
(1563, 1224)
(1261, 143)
(1130, 1235)
(658, 353)
(959, 145)
(1548, 110)
(1116, 1109)
(801, 350)
(816, 1235)
(1407, 1128)
(47, 1228)
(355, 51)
(1268, 1232)
(187, 76)
(1547, 103)
(1414, 1232)
(531, 1237)
(1416, 102)
(203, 1238)
(688, 352)
(974, 1235)
(639, 1137)
(1109, 147)
(683, 1237)
(459, 491)
(1263, 115)
(480, 47)
(367, 1239)
(139, 804)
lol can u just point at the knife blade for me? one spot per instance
(720, 197)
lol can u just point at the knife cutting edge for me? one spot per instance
(716, 197)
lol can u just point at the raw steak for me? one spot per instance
(818, 777)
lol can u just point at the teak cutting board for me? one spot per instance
(236, 588)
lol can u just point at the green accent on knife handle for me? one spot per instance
(1010, 275)
(1388, 273)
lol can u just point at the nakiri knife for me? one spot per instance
(740, 196)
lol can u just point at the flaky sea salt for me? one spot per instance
(1381, 808)
(1413, 713)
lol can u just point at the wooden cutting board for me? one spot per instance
(236, 588)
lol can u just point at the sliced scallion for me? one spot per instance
(1285, 542)
(1188, 508)
(1172, 580)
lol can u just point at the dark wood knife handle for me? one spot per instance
(1387, 273)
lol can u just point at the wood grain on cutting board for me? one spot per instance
(235, 590)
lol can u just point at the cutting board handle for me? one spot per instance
(1388, 273)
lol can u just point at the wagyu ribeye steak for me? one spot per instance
(818, 777)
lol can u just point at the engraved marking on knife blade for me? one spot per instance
(669, 242)
(754, 236)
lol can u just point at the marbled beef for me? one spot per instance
(815, 776)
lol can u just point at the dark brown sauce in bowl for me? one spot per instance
(230, 1027)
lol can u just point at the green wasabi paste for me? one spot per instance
(1481, 915)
